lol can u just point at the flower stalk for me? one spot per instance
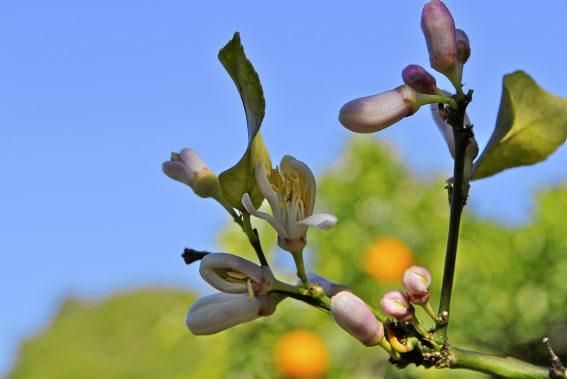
(300, 267)
(254, 239)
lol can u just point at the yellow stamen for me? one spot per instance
(236, 275)
(250, 290)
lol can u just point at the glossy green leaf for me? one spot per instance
(239, 179)
(531, 125)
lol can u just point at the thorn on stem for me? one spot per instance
(557, 369)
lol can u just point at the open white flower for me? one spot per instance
(232, 274)
(290, 191)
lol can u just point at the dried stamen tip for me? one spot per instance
(190, 255)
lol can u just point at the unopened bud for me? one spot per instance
(416, 282)
(419, 79)
(397, 305)
(353, 315)
(215, 313)
(463, 47)
(187, 167)
(439, 29)
(373, 113)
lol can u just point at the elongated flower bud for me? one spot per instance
(419, 79)
(215, 313)
(188, 168)
(232, 274)
(397, 305)
(463, 47)
(439, 29)
(416, 282)
(353, 315)
(373, 113)
(329, 288)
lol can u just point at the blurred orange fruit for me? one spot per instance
(386, 259)
(301, 354)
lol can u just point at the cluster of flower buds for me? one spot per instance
(399, 305)
(244, 294)
(355, 316)
(448, 49)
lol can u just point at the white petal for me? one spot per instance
(323, 221)
(247, 202)
(192, 159)
(265, 186)
(445, 129)
(177, 170)
(215, 313)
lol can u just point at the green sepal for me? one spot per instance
(240, 179)
(531, 125)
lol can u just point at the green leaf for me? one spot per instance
(531, 125)
(247, 82)
(239, 179)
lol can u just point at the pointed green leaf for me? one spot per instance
(239, 179)
(531, 125)
(247, 82)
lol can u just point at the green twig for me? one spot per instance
(254, 239)
(502, 367)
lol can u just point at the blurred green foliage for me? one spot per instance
(511, 289)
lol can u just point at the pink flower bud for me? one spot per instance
(397, 305)
(215, 313)
(329, 288)
(416, 282)
(419, 79)
(373, 113)
(354, 316)
(232, 274)
(439, 29)
(463, 47)
(187, 167)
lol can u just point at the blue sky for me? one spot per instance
(96, 94)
